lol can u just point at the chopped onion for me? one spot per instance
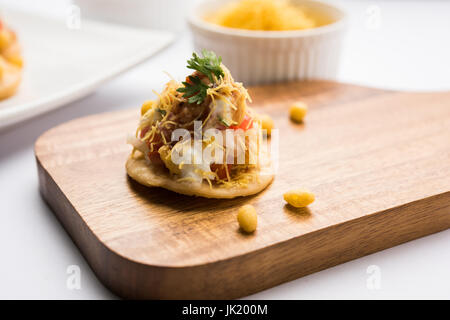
(138, 144)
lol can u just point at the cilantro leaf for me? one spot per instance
(195, 91)
(225, 122)
(209, 64)
(163, 112)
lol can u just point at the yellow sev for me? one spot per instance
(264, 15)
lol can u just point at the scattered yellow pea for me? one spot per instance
(146, 106)
(266, 123)
(298, 111)
(247, 218)
(299, 198)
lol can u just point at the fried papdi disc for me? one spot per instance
(156, 176)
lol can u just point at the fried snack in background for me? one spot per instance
(11, 62)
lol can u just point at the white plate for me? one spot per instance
(62, 64)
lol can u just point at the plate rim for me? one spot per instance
(15, 114)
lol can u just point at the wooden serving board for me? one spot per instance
(377, 161)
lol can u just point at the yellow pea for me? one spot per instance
(166, 157)
(247, 218)
(299, 198)
(266, 123)
(146, 106)
(298, 111)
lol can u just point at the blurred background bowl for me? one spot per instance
(155, 14)
(256, 57)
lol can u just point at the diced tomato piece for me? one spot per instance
(155, 157)
(220, 170)
(156, 139)
(155, 142)
(143, 132)
(247, 123)
(188, 80)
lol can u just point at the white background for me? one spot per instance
(408, 50)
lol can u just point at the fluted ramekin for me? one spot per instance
(256, 57)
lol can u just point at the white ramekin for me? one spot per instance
(155, 14)
(256, 57)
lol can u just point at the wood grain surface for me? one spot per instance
(377, 161)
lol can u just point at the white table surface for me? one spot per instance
(409, 49)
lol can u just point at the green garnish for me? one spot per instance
(209, 65)
(163, 112)
(225, 122)
(195, 90)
